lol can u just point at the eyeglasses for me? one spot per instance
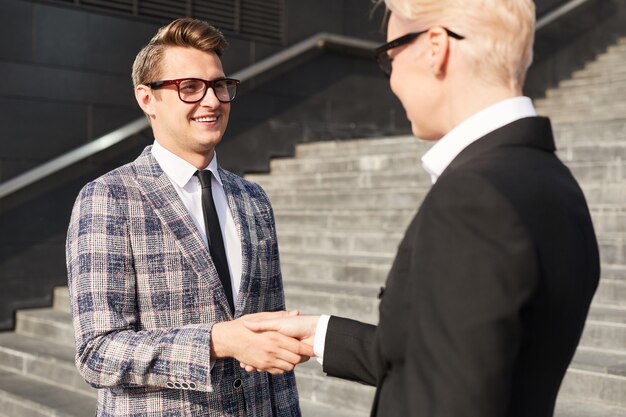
(383, 58)
(192, 90)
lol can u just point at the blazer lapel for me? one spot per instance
(168, 207)
(242, 211)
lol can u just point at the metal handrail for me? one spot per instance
(261, 71)
(557, 13)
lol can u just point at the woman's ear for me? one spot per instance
(438, 49)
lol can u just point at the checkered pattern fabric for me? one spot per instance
(145, 294)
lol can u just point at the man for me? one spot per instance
(166, 254)
(486, 299)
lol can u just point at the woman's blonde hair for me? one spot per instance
(499, 34)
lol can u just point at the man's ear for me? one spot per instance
(438, 50)
(145, 99)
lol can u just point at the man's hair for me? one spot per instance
(184, 32)
(499, 34)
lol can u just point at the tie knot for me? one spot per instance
(205, 178)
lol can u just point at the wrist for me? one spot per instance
(219, 338)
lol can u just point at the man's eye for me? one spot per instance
(190, 87)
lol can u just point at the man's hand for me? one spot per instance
(299, 327)
(265, 351)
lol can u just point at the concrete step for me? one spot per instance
(589, 133)
(577, 92)
(343, 242)
(608, 218)
(594, 386)
(610, 65)
(340, 163)
(336, 394)
(391, 145)
(407, 198)
(359, 219)
(585, 96)
(42, 360)
(598, 171)
(413, 176)
(315, 409)
(61, 299)
(559, 113)
(600, 151)
(26, 397)
(357, 302)
(583, 78)
(46, 324)
(612, 248)
(332, 267)
(568, 407)
(611, 292)
(605, 328)
(605, 192)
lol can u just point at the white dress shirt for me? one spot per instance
(437, 159)
(187, 185)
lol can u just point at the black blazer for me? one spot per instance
(487, 297)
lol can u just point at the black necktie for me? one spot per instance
(214, 236)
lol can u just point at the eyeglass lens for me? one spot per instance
(192, 91)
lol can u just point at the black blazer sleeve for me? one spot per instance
(352, 351)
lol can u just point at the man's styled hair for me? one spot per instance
(499, 34)
(185, 32)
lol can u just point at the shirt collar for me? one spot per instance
(437, 159)
(179, 170)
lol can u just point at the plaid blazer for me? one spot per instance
(145, 293)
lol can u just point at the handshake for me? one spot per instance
(273, 342)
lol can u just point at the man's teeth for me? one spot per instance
(205, 119)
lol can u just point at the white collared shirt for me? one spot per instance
(437, 159)
(187, 185)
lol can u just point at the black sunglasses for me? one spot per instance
(383, 58)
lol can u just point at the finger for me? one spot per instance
(294, 346)
(262, 326)
(294, 313)
(265, 315)
(251, 368)
(306, 350)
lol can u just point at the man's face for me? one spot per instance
(188, 129)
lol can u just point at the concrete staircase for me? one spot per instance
(37, 373)
(341, 209)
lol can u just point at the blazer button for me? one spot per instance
(170, 384)
(192, 385)
(184, 385)
(237, 383)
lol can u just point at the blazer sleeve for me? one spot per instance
(110, 352)
(283, 389)
(350, 351)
